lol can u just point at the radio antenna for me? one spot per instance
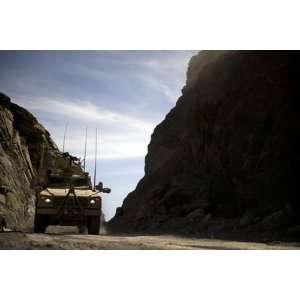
(86, 129)
(66, 127)
(95, 167)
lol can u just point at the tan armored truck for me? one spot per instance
(69, 199)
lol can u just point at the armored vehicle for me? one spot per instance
(69, 199)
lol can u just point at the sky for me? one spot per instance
(124, 94)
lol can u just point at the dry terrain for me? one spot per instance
(68, 238)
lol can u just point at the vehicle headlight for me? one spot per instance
(94, 202)
(45, 200)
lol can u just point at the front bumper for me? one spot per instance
(68, 211)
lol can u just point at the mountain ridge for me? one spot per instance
(224, 161)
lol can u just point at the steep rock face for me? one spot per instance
(21, 140)
(225, 160)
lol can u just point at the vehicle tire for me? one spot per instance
(94, 225)
(40, 224)
(81, 229)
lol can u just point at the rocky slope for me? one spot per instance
(225, 160)
(21, 142)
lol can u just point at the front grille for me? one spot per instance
(71, 201)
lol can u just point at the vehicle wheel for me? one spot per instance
(40, 224)
(94, 225)
(81, 229)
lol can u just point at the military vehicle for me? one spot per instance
(69, 199)
(64, 192)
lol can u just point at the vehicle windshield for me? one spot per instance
(64, 182)
(78, 182)
(58, 181)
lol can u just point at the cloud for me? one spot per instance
(120, 136)
(175, 61)
(108, 149)
(155, 84)
(84, 111)
(162, 73)
(122, 93)
(176, 64)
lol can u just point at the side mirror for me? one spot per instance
(106, 190)
(99, 186)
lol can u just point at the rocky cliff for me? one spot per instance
(21, 142)
(225, 160)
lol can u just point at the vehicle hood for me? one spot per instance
(64, 192)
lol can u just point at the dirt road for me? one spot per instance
(72, 240)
